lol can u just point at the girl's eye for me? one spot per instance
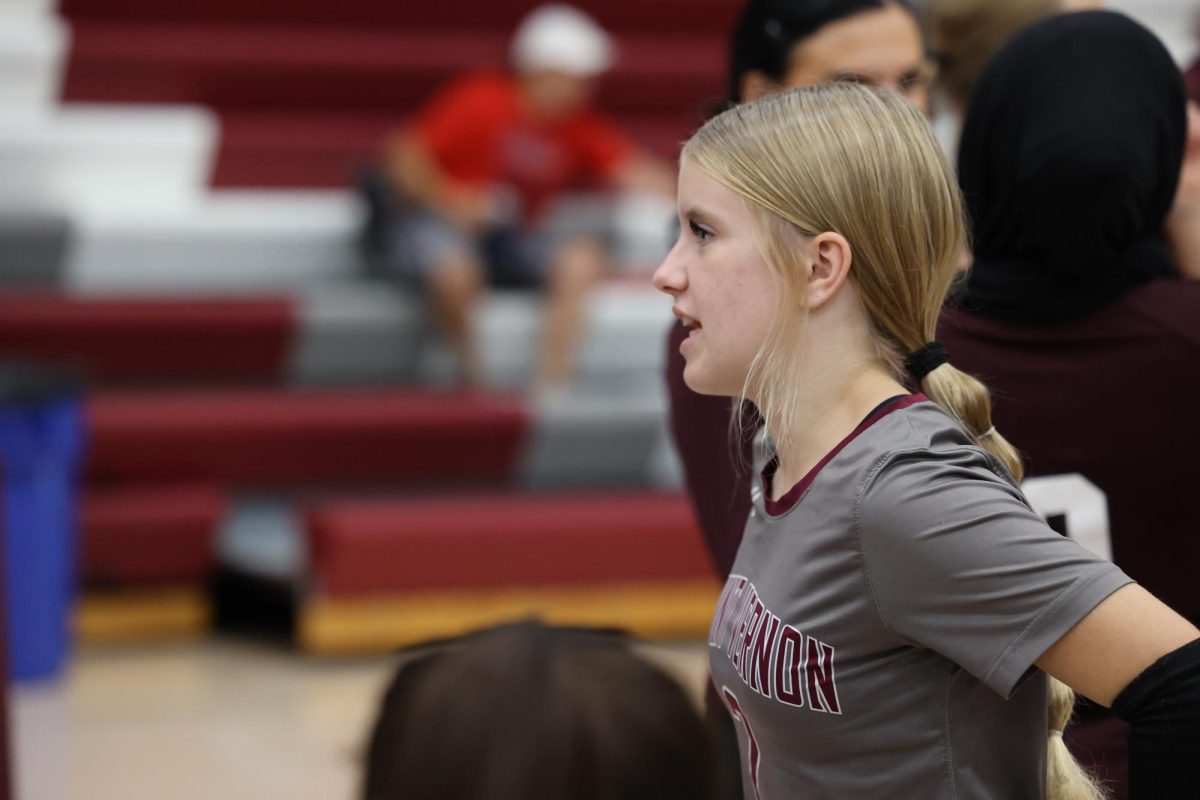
(702, 234)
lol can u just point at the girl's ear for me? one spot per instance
(831, 258)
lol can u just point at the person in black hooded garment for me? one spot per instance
(1072, 311)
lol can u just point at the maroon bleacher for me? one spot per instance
(666, 17)
(160, 339)
(285, 438)
(297, 148)
(306, 91)
(313, 149)
(150, 535)
(364, 547)
(340, 70)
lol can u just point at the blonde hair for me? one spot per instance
(1065, 778)
(864, 163)
(965, 34)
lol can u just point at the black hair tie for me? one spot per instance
(925, 360)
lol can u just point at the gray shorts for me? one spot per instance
(511, 258)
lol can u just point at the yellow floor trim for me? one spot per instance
(138, 615)
(376, 624)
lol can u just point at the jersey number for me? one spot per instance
(1075, 507)
(753, 754)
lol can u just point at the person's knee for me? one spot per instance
(579, 263)
(456, 277)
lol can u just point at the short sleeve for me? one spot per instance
(959, 563)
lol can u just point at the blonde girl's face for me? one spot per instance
(722, 287)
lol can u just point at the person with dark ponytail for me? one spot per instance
(778, 43)
(1069, 163)
(897, 613)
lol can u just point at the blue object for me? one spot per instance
(41, 448)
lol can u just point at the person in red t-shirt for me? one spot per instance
(482, 162)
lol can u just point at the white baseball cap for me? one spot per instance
(563, 39)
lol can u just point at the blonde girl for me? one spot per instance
(895, 607)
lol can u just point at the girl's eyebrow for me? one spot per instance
(697, 214)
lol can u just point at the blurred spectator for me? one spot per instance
(532, 711)
(484, 159)
(1183, 225)
(1070, 310)
(965, 34)
(782, 43)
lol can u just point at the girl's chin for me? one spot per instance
(702, 383)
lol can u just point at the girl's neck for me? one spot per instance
(827, 416)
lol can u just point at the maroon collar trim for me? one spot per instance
(785, 503)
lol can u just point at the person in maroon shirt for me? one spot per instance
(1072, 312)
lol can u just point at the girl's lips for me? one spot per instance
(688, 340)
(688, 322)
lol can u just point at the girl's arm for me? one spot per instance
(1137, 656)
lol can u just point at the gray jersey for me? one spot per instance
(877, 635)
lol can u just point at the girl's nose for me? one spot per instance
(671, 277)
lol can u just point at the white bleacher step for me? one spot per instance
(33, 48)
(228, 241)
(105, 158)
(624, 333)
(33, 249)
(358, 333)
(584, 439)
(666, 468)
(30, 8)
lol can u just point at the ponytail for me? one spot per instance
(969, 402)
(1065, 778)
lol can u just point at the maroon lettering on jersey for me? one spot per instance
(775, 660)
(730, 634)
(734, 649)
(734, 589)
(743, 656)
(753, 752)
(759, 662)
(789, 655)
(818, 667)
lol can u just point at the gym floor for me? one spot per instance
(215, 718)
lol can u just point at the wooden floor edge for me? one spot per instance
(342, 626)
(140, 615)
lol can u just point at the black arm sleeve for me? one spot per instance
(1162, 707)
